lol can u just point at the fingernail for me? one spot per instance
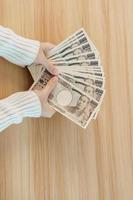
(55, 71)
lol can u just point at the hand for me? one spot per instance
(42, 57)
(43, 94)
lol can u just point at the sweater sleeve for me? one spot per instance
(17, 106)
(17, 49)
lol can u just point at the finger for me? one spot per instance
(50, 86)
(40, 57)
(50, 67)
(47, 47)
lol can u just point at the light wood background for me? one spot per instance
(55, 159)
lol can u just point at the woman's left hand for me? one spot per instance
(42, 58)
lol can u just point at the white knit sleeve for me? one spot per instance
(17, 106)
(17, 49)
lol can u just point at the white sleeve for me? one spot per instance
(16, 49)
(18, 106)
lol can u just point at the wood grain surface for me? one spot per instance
(54, 159)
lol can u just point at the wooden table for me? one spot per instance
(55, 159)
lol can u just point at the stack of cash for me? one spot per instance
(80, 89)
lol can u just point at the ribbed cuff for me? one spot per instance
(20, 105)
(17, 49)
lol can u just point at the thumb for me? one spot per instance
(50, 67)
(47, 46)
(52, 83)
